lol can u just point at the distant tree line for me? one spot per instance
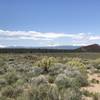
(32, 50)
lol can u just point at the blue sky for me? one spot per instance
(49, 22)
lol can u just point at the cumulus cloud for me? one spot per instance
(38, 35)
(49, 38)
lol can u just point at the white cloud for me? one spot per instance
(94, 37)
(2, 46)
(38, 35)
(80, 44)
(51, 37)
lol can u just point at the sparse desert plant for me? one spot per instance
(87, 93)
(82, 80)
(46, 62)
(80, 76)
(19, 82)
(77, 64)
(7, 91)
(2, 62)
(53, 92)
(96, 63)
(24, 96)
(56, 69)
(62, 81)
(95, 81)
(36, 71)
(39, 91)
(70, 94)
(45, 77)
(2, 66)
(11, 92)
(3, 82)
(11, 77)
(42, 79)
(96, 96)
(51, 79)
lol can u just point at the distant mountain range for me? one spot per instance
(65, 47)
(89, 48)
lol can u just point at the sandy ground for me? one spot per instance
(93, 87)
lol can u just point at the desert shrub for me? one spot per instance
(5, 98)
(96, 63)
(3, 68)
(62, 81)
(19, 82)
(39, 80)
(96, 96)
(89, 66)
(3, 81)
(17, 91)
(51, 79)
(74, 83)
(11, 77)
(82, 80)
(46, 62)
(24, 96)
(42, 91)
(39, 91)
(11, 92)
(97, 66)
(45, 92)
(70, 94)
(78, 70)
(77, 65)
(56, 69)
(2, 71)
(95, 81)
(80, 77)
(2, 62)
(36, 71)
(7, 91)
(87, 93)
(53, 92)
(71, 71)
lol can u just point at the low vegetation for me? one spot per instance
(46, 77)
